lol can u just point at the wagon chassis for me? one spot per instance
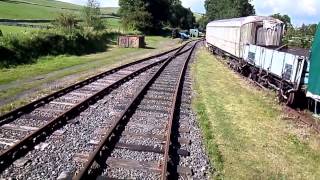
(289, 93)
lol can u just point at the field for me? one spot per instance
(197, 16)
(14, 29)
(246, 133)
(20, 81)
(40, 9)
(109, 10)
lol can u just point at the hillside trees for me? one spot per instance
(149, 16)
(92, 15)
(284, 18)
(181, 17)
(222, 9)
(134, 15)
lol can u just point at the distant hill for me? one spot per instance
(197, 15)
(109, 10)
(41, 9)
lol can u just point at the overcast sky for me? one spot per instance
(300, 11)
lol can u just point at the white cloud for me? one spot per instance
(195, 5)
(300, 11)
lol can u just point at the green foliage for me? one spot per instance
(66, 22)
(26, 48)
(284, 18)
(222, 9)
(135, 16)
(92, 15)
(149, 16)
(202, 22)
(181, 17)
(301, 37)
(146, 16)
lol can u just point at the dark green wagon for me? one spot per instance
(314, 70)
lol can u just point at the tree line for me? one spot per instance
(297, 36)
(150, 16)
(68, 36)
(224, 9)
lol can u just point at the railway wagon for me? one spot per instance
(313, 90)
(252, 46)
(231, 35)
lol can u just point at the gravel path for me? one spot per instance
(198, 160)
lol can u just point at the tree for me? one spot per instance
(181, 17)
(144, 15)
(92, 15)
(284, 18)
(135, 16)
(203, 21)
(222, 9)
(67, 22)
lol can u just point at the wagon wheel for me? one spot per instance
(291, 99)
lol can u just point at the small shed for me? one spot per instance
(131, 41)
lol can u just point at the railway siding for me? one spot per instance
(159, 140)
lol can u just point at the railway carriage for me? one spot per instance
(252, 46)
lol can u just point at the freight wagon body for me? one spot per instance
(231, 35)
(252, 46)
(283, 71)
(314, 71)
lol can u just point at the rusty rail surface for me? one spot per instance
(27, 143)
(97, 154)
(164, 168)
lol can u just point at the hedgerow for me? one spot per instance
(27, 47)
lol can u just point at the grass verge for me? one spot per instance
(33, 79)
(244, 131)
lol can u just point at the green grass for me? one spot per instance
(109, 10)
(113, 24)
(244, 131)
(12, 10)
(49, 64)
(14, 29)
(14, 81)
(41, 9)
(197, 16)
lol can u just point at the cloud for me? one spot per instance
(300, 11)
(195, 5)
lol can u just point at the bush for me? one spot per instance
(26, 48)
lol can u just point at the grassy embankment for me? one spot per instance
(25, 78)
(31, 79)
(44, 9)
(244, 130)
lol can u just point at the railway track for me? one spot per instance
(139, 141)
(25, 127)
(142, 128)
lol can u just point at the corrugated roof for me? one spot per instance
(237, 22)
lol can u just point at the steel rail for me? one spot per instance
(10, 116)
(84, 172)
(164, 167)
(22, 147)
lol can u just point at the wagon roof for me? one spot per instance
(238, 22)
